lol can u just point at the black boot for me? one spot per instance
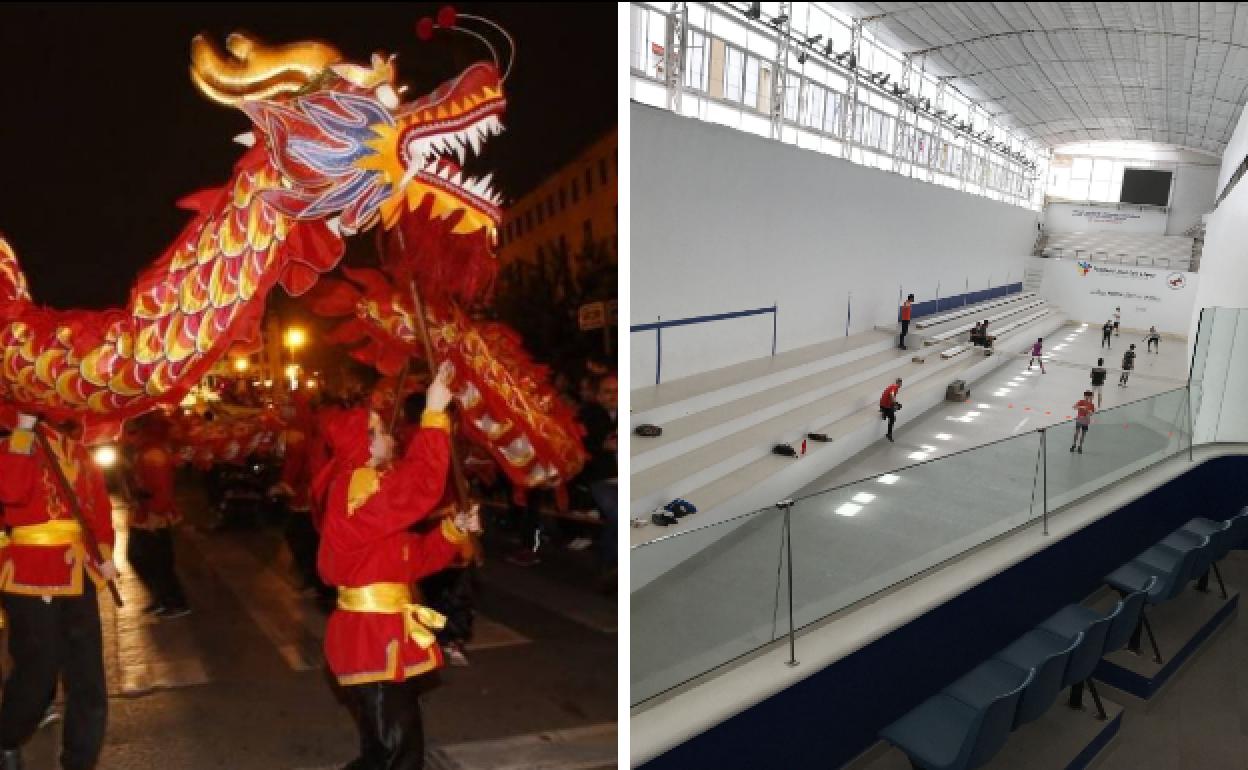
(11, 759)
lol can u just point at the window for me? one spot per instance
(812, 106)
(602, 170)
(792, 91)
(751, 82)
(697, 56)
(589, 181)
(832, 113)
(734, 73)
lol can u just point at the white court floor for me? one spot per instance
(1011, 400)
(861, 539)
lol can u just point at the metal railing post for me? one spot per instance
(658, 352)
(775, 312)
(787, 507)
(1044, 454)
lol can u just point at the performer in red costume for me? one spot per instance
(54, 620)
(378, 639)
(153, 515)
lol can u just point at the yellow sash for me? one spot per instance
(52, 532)
(394, 599)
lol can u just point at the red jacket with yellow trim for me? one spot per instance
(31, 494)
(151, 480)
(365, 539)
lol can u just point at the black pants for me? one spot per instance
(387, 715)
(905, 329)
(150, 553)
(47, 640)
(890, 414)
(450, 592)
(1105, 340)
(1125, 374)
(1153, 342)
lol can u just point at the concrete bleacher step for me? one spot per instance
(998, 316)
(965, 347)
(668, 401)
(703, 427)
(939, 328)
(970, 310)
(738, 473)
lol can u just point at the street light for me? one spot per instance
(295, 338)
(241, 365)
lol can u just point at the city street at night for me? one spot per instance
(239, 683)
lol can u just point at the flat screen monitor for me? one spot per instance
(1146, 186)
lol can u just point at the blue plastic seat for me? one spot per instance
(1048, 654)
(1128, 618)
(1068, 623)
(943, 733)
(1239, 528)
(1173, 569)
(1219, 546)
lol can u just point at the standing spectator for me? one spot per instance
(1128, 363)
(889, 406)
(1153, 338)
(1037, 354)
(1098, 379)
(601, 421)
(1117, 320)
(1083, 418)
(1107, 332)
(905, 319)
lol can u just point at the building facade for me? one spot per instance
(574, 206)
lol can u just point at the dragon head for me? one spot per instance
(349, 149)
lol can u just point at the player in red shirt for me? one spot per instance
(889, 406)
(1083, 418)
(905, 319)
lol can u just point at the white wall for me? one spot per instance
(724, 221)
(1195, 187)
(1090, 218)
(1223, 414)
(1090, 292)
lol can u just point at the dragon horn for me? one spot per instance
(253, 70)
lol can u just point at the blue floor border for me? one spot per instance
(1098, 743)
(1146, 687)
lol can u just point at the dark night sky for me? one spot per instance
(101, 130)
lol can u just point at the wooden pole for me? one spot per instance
(457, 471)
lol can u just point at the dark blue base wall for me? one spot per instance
(832, 716)
(931, 306)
